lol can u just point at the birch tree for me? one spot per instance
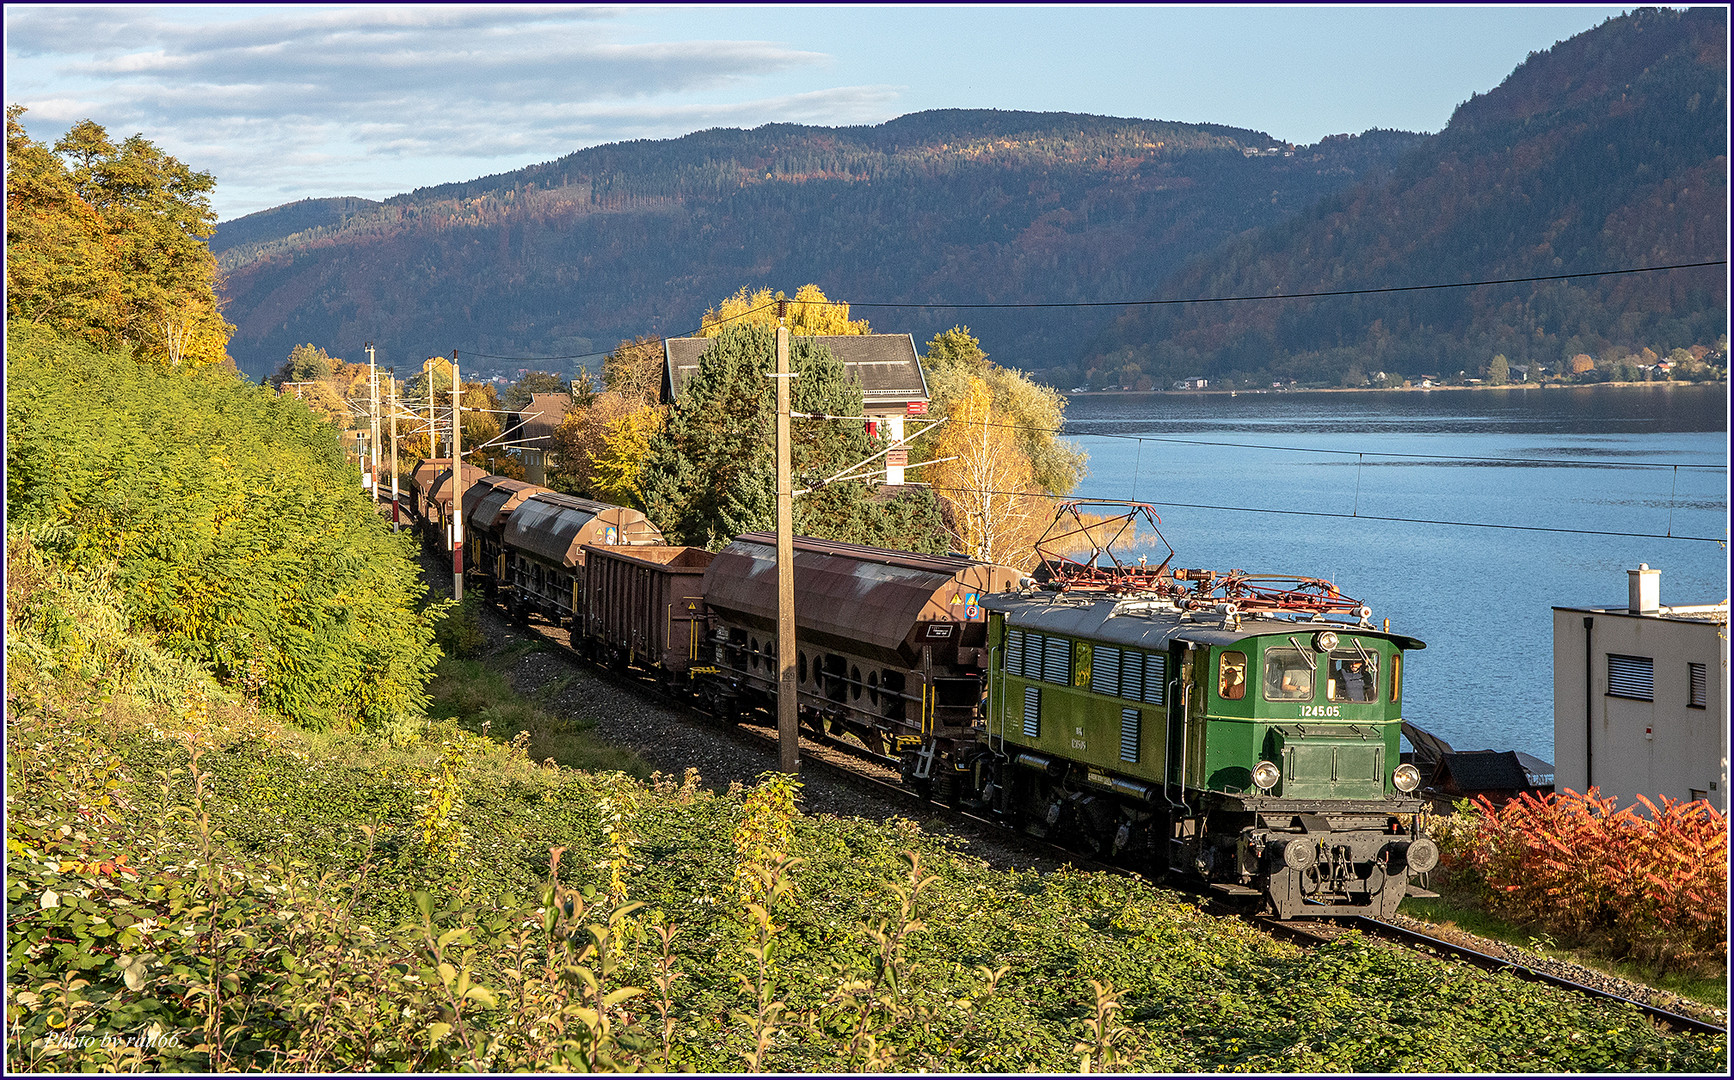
(988, 483)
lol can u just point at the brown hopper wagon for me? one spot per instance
(544, 540)
(644, 606)
(488, 505)
(892, 646)
(433, 499)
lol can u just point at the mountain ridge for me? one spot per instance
(613, 241)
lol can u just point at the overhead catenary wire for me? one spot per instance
(1350, 517)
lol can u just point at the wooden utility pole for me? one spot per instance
(391, 408)
(457, 484)
(788, 717)
(372, 426)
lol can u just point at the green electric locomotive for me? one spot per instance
(1254, 751)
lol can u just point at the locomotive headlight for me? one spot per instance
(1325, 640)
(1423, 855)
(1407, 778)
(1298, 855)
(1265, 775)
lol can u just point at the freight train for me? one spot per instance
(1237, 732)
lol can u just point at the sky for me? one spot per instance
(282, 103)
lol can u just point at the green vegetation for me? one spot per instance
(710, 475)
(234, 894)
(228, 521)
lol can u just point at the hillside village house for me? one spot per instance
(535, 438)
(1640, 701)
(885, 366)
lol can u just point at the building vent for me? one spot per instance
(1645, 588)
(1700, 688)
(1632, 677)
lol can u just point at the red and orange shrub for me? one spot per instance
(1655, 886)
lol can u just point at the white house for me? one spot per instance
(1640, 702)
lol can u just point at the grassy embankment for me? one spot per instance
(198, 886)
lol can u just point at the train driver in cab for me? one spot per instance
(1351, 679)
(1287, 676)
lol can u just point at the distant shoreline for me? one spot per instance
(1379, 389)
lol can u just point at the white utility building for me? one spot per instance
(1640, 703)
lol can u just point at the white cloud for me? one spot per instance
(378, 100)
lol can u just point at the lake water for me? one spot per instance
(1237, 481)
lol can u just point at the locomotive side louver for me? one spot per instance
(1032, 712)
(1014, 653)
(1130, 729)
(1105, 670)
(1056, 660)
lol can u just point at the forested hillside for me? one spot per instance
(1607, 151)
(616, 241)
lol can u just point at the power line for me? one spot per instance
(1300, 296)
(1188, 300)
(1604, 464)
(1356, 517)
(610, 352)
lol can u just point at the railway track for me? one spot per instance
(860, 767)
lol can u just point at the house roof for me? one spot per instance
(540, 417)
(884, 364)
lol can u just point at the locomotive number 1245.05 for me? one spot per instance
(1320, 710)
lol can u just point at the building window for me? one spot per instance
(1632, 677)
(1698, 677)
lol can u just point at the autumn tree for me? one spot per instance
(106, 241)
(1031, 414)
(577, 437)
(987, 480)
(304, 364)
(709, 474)
(617, 463)
(810, 313)
(634, 370)
(1499, 370)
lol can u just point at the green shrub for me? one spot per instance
(459, 629)
(228, 522)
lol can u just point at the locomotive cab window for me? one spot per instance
(1287, 676)
(1397, 677)
(1352, 676)
(1231, 676)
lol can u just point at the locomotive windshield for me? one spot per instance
(1353, 676)
(1288, 675)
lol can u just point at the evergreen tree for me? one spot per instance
(709, 474)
